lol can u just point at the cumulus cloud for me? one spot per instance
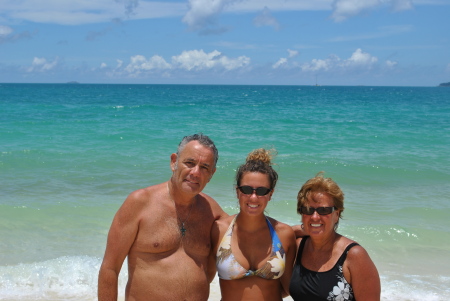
(391, 64)
(283, 62)
(344, 9)
(292, 53)
(190, 60)
(139, 63)
(42, 65)
(7, 35)
(200, 60)
(358, 60)
(5, 30)
(203, 14)
(320, 65)
(265, 18)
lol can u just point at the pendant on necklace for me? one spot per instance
(183, 229)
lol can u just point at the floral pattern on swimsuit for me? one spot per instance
(229, 269)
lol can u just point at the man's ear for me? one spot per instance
(173, 162)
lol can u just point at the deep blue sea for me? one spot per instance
(71, 153)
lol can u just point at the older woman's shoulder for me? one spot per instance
(355, 252)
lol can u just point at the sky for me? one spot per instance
(261, 42)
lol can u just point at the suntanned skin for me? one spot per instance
(162, 264)
(325, 246)
(252, 246)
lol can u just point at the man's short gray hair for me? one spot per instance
(203, 140)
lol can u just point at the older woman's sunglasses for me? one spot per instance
(260, 191)
(320, 210)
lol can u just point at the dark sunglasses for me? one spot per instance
(260, 191)
(320, 210)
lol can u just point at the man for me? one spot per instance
(165, 232)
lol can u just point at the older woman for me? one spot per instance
(254, 253)
(329, 266)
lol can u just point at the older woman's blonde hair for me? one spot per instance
(321, 184)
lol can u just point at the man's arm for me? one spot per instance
(121, 237)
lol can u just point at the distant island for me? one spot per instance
(445, 84)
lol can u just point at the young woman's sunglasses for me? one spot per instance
(260, 191)
(320, 210)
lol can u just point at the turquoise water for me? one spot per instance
(70, 154)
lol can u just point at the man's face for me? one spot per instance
(193, 168)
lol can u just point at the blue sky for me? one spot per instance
(280, 42)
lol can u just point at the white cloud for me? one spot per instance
(203, 13)
(103, 65)
(5, 30)
(200, 60)
(344, 9)
(292, 53)
(391, 64)
(265, 18)
(140, 63)
(282, 61)
(42, 65)
(320, 65)
(358, 60)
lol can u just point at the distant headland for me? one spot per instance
(445, 84)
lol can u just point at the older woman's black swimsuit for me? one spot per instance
(307, 285)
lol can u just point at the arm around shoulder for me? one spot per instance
(364, 276)
(121, 236)
(287, 237)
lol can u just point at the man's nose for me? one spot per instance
(195, 170)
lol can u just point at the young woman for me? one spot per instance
(254, 253)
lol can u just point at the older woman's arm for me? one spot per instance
(364, 277)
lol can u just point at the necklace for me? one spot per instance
(182, 228)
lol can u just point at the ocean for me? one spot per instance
(71, 153)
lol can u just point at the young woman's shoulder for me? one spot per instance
(281, 228)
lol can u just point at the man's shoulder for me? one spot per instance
(146, 195)
(214, 206)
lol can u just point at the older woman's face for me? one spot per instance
(316, 224)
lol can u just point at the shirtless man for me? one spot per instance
(165, 232)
